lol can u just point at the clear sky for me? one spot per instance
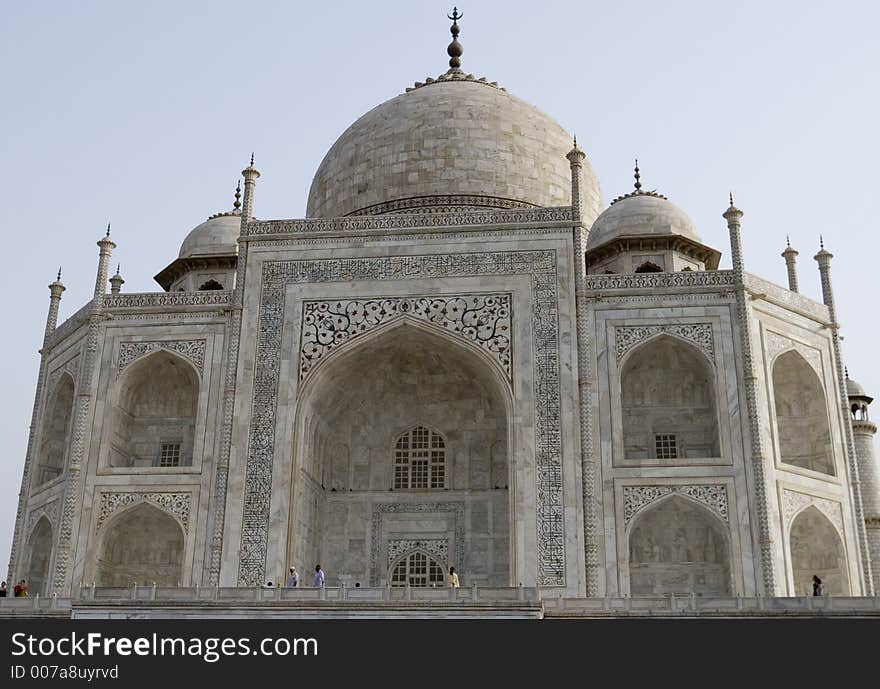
(144, 113)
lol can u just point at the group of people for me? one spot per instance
(318, 582)
(20, 590)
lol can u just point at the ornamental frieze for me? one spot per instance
(793, 503)
(48, 510)
(636, 498)
(483, 319)
(775, 344)
(700, 334)
(194, 350)
(177, 504)
(435, 547)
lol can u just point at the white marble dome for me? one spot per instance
(854, 389)
(459, 143)
(217, 236)
(641, 214)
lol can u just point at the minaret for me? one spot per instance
(823, 258)
(576, 159)
(55, 289)
(116, 282)
(863, 436)
(105, 246)
(734, 215)
(221, 473)
(790, 256)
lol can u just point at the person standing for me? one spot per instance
(319, 577)
(292, 578)
(3, 590)
(452, 579)
(818, 589)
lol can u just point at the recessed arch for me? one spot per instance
(153, 415)
(357, 402)
(141, 544)
(668, 401)
(677, 545)
(210, 285)
(801, 411)
(649, 267)
(817, 549)
(39, 549)
(418, 569)
(55, 434)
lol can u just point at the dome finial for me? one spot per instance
(846, 372)
(252, 159)
(454, 50)
(59, 274)
(638, 184)
(108, 230)
(237, 205)
(787, 242)
(821, 243)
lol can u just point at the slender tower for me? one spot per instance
(790, 256)
(733, 216)
(863, 436)
(823, 258)
(116, 282)
(55, 290)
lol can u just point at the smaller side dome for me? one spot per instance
(217, 236)
(854, 389)
(640, 215)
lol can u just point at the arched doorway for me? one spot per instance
(403, 435)
(143, 545)
(417, 569)
(55, 433)
(677, 546)
(39, 558)
(801, 415)
(667, 398)
(153, 420)
(816, 549)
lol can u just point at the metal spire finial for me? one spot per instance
(731, 199)
(252, 159)
(821, 242)
(787, 242)
(237, 205)
(638, 183)
(108, 230)
(118, 266)
(59, 274)
(575, 139)
(454, 50)
(846, 372)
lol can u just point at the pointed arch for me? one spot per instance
(802, 425)
(668, 401)
(649, 267)
(153, 414)
(141, 544)
(817, 550)
(677, 545)
(417, 568)
(366, 395)
(55, 433)
(39, 549)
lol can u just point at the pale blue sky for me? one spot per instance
(144, 113)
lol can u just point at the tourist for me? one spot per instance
(3, 590)
(818, 589)
(292, 578)
(268, 585)
(452, 579)
(319, 577)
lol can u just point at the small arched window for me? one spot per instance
(648, 267)
(417, 569)
(420, 459)
(211, 284)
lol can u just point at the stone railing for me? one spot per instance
(402, 221)
(160, 300)
(709, 605)
(654, 281)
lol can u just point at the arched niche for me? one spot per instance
(678, 546)
(417, 569)
(667, 398)
(55, 435)
(649, 267)
(39, 547)
(352, 413)
(816, 549)
(801, 415)
(154, 415)
(141, 545)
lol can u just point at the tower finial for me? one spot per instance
(237, 205)
(59, 274)
(108, 230)
(787, 242)
(454, 50)
(118, 266)
(252, 159)
(731, 199)
(846, 372)
(821, 242)
(575, 140)
(638, 184)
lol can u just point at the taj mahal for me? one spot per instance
(462, 356)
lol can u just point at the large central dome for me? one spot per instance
(452, 143)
